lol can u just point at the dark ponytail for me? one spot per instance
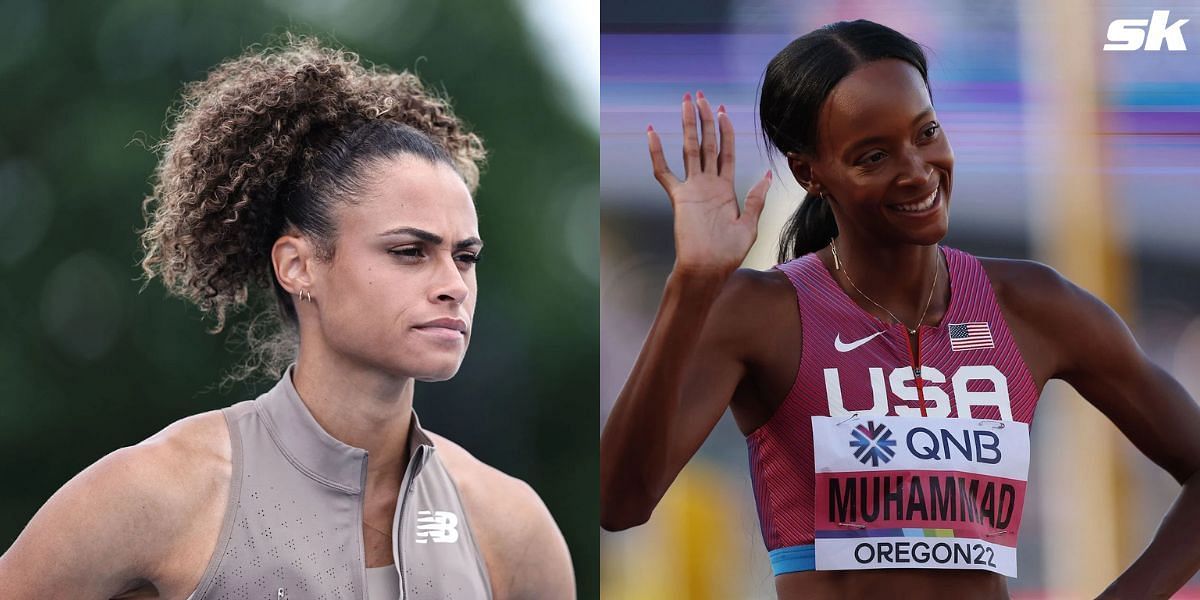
(808, 229)
(796, 83)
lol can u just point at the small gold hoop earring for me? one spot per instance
(306, 295)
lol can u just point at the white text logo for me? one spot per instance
(440, 526)
(1125, 35)
(938, 399)
(844, 347)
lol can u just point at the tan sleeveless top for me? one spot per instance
(293, 524)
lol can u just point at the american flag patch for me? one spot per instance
(970, 336)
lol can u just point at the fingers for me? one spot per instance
(756, 199)
(691, 141)
(708, 134)
(658, 162)
(701, 152)
(726, 156)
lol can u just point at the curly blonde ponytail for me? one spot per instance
(272, 139)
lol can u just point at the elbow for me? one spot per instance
(626, 496)
(621, 509)
(613, 520)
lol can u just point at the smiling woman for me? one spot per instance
(344, 195)
(885, 384)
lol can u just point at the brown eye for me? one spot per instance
(873, 158)
(408, 252)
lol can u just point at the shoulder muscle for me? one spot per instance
(1097, 354)
(752, 304)
(526, 553)
(110, 527)
(1043, 309)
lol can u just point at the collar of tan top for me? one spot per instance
(310, 448)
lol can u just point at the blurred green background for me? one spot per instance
(88, 365)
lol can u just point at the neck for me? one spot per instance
(898, 277)
(359, 406)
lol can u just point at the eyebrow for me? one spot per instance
(432, 238)
(880, 138)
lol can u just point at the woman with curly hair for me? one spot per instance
(343, 194)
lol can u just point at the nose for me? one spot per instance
(915, 171)
(449, 283)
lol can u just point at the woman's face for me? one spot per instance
(399, 293)
(883, 154)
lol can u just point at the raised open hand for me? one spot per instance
(712, 235)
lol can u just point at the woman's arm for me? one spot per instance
(526, 555)
(688, 368)
(1096, 353)
(538, 561)
(87, 540)
(114, 527)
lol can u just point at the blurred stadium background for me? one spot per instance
(1086, 160)
(88, 365)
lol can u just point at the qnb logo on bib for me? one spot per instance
(917, 492)
(440, 526)
(872, 443)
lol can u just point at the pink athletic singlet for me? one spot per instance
(909, 482)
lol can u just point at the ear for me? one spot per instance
(292, 257)
(801, 167)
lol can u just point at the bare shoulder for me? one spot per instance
(526, 554)
(184, 466)
(749, 298)
(1024, 283)
(466, 469)
(499, 496)
(752, 304)
(194, 451)
(194, 456)
(754, 287)
(1063, 320)
(127, 520)
(1034, 294)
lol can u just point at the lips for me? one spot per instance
(921, 204)
(451, 324)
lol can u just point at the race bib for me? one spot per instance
(920, 493)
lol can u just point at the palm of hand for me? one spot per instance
(712, 234)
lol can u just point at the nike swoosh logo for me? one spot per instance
(844, 347)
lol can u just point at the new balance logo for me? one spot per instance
(844, 347)
(1125, 35)
(440, 526)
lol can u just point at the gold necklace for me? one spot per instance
(837, 265)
